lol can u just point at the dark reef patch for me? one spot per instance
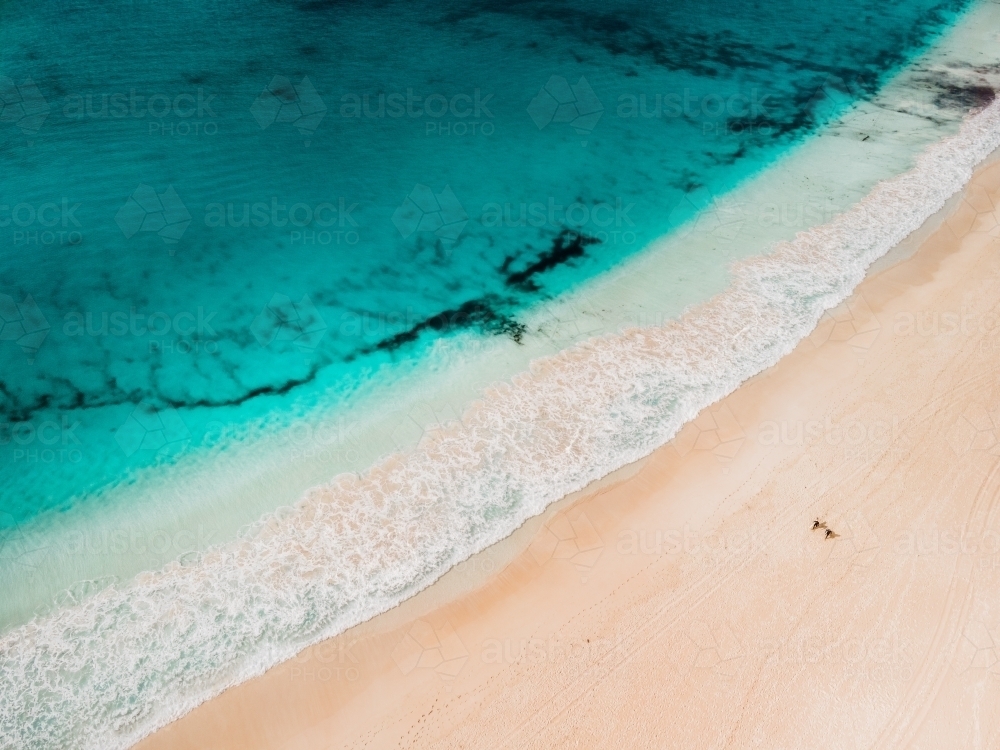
(565, 247)
(963, 97)
(478, 314)
(961, 88)
(264, 390)
(663, 38)
(64, 395)
(485, 314)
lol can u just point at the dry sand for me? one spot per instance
(687, 602)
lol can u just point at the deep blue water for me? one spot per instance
(211, 212)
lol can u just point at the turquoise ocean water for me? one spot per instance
(562, 137)
(216, 218)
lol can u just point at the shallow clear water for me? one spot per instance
(201, 250)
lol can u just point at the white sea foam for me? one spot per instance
(107, 671)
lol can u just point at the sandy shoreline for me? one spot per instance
(685, 601)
